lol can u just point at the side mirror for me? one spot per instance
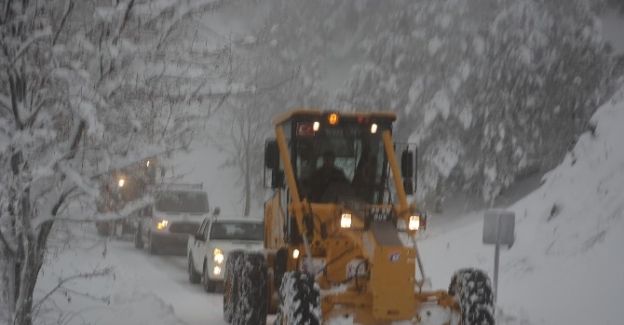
(216, 211)
(407, 164)
(415, 169)
(407, 171)
(277, 178)
(271, 155)
(407, 185)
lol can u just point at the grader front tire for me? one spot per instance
(472, 289)
(299, 300)
(252, 304)
(230, 285)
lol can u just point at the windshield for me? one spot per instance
(182, 202)
(236, 231)
(340, 163)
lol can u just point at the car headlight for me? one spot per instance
(216, 270)
(345, 220)
(162, 224)
(217, 256)
(414, 223)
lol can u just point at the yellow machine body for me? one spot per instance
(366, 271)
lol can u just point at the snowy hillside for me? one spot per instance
(567, 265)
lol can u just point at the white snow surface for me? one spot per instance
(141, 289)
(567, 265)
(439, 105)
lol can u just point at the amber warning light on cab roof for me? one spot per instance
(333, 119)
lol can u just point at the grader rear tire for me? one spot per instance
(300, 300)
(230, 297)
(252, 305)
(472, 289)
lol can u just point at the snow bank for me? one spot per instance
(567, 265)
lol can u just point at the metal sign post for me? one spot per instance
(498, 229)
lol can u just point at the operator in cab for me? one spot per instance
(326, 176)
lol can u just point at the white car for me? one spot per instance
(208, 249)
(176, 213)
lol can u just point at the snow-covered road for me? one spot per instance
(166, 277)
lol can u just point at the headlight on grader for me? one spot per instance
(217, 256)
(345, 220)
(414, 223)
(162, 224)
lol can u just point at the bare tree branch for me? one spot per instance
(61, 200)
(96, 273)
(191, 11)
(124, 21)
(11, 249)
(68, 10)
(13, 89)
(24, 48)
(7, 7)
(76, 141)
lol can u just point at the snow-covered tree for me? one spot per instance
(271, 84)
(87, 87)
(488, 89)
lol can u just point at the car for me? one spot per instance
(176, 213)
(208, 250)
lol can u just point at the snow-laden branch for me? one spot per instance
(46, 32)
(123, 22)
(68, 8)
(125, 212)
(11, 249)
(182, 12)
(77, 179)
(5, 102)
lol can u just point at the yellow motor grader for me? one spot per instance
(339, 234)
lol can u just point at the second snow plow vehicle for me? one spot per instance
(121, 187)
(336, 234)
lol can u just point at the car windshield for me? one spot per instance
(182, 201)
(236, 231)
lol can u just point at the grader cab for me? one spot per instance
(339, 234)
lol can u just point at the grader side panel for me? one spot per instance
(392, 275)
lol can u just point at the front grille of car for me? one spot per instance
(183, 227)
